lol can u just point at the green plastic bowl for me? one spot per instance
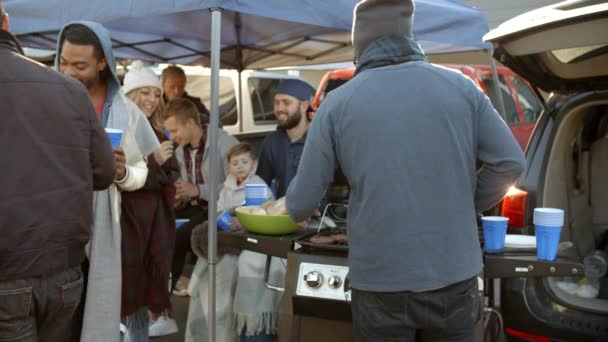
(266, 224)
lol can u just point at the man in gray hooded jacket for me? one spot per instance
(407, 135)
(84, 51)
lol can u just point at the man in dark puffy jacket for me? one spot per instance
(56, 153)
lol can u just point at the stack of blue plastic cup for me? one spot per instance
(548, 223)
(494, 232)
(256, 194)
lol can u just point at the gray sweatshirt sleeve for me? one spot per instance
(502, 158)
(316, 169)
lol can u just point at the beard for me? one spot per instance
(292, 120)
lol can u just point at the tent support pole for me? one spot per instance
(501, 102)
(213, 128)
(239, 106)
(239, 66)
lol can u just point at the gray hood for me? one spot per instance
(106, 45)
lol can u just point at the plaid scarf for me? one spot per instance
(147, 241)
(389, 50)
(200, 154)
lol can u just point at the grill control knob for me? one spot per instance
(334, 282)
(313, 279)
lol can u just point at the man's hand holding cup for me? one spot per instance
(121, 163)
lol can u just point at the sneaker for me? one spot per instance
(180, 289)
(162, 326)
(123, 329)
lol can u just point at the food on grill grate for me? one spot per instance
(340, 238)
(336, 239)
(321, 240)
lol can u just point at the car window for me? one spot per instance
(578, 54)
(530, 104)
(511, 116)
(262, 92)
(199, 86)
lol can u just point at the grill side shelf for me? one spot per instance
(517, 265)
(277, 246)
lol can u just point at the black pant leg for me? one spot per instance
(182, 239)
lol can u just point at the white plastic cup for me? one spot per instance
(548, 217)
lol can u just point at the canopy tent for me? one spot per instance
(243, 34)
(255, 35)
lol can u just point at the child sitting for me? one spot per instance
(242, 166)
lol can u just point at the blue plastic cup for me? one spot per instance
(224, 221)
(494, 232)
(255, 194)
(547, 241)
(180, 222)
(254, 201)
(115, 136)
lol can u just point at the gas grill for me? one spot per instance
(316, 293)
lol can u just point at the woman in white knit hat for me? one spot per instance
(148, 223)
(143, 87)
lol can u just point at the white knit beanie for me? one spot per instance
(140, 76)
(373, 19)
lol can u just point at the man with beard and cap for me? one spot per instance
(407, 135)
(281, 150)
(56, 153)
(84, 51)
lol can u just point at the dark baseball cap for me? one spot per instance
(296, 88)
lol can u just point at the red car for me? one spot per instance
(522, 105)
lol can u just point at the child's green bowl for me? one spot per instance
(266, 224)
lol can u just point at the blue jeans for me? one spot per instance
(446, 314)
(257, 338)
(137, 327)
